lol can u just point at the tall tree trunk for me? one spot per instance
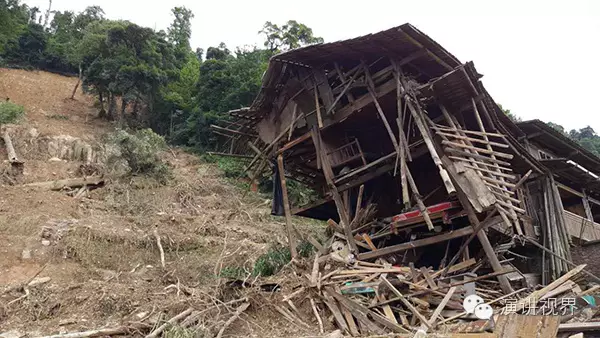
(47, 16)
(112, 106)
(124, 103)
(77, 84)
(123, 107)
(134, 113)
(102, 113)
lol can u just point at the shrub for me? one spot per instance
(272, 261)
(231, 167)
(10, 112)
(277, 257)
(140, 151)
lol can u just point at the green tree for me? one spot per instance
(510, 115)
(220, 52)
(125, 60)
(180, 32)
(557, 127)
(290, 35)
(28, 49)
(13, 21)
(586, 137)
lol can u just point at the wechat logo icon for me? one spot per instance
(475, 305)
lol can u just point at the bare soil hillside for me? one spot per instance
(71, 264)
(48, 104)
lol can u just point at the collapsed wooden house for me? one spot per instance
(416, 164)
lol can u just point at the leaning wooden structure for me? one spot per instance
(417, 167)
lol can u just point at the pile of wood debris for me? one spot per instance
(363, 298)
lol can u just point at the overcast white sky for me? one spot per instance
(540, 59)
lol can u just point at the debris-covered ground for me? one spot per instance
(86, 260)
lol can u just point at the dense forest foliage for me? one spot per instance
(586, 137)
(156, 79)
(140, 76)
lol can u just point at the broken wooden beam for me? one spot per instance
(416, 244)
(69, 183)
(10, 149)
(233, 131)
(286, 208)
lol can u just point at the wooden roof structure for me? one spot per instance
(407, 149)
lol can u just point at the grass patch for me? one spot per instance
(232, 168)
(182, 332)
(10, 112)
(233, 272)
(272, 261)
(58, 117)
(269, 263)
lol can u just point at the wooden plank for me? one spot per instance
(505, 196)
(286, 207)
(403, 166)
(453, 268)
(343, 78)
(587, 326)
(291, 127)
(213, 126)
(317, 143)
(406, 302)
(456, 158)
(325, 91)
(365, 100)
(361, 191)
(344, 217)
(463, 282)
(485, 243)
(343, 92)
(417, 197)
(416, 113)
(477, 156)
(510, 206)
(416, 244)
(337, 314)
(318, 108)
(495, 181)
(428, 279)
(474, 188)
(366, 177)
(229, 155)
(369, 241)
(527, 326)
(364, 168)
(587, 207)
(479, 150)
(371, 89)
(466, 131)
(493, 172)
(362, 314)
(351, 323)
(438, 310)
(295, 142)
(435, 57)
(476, 140)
